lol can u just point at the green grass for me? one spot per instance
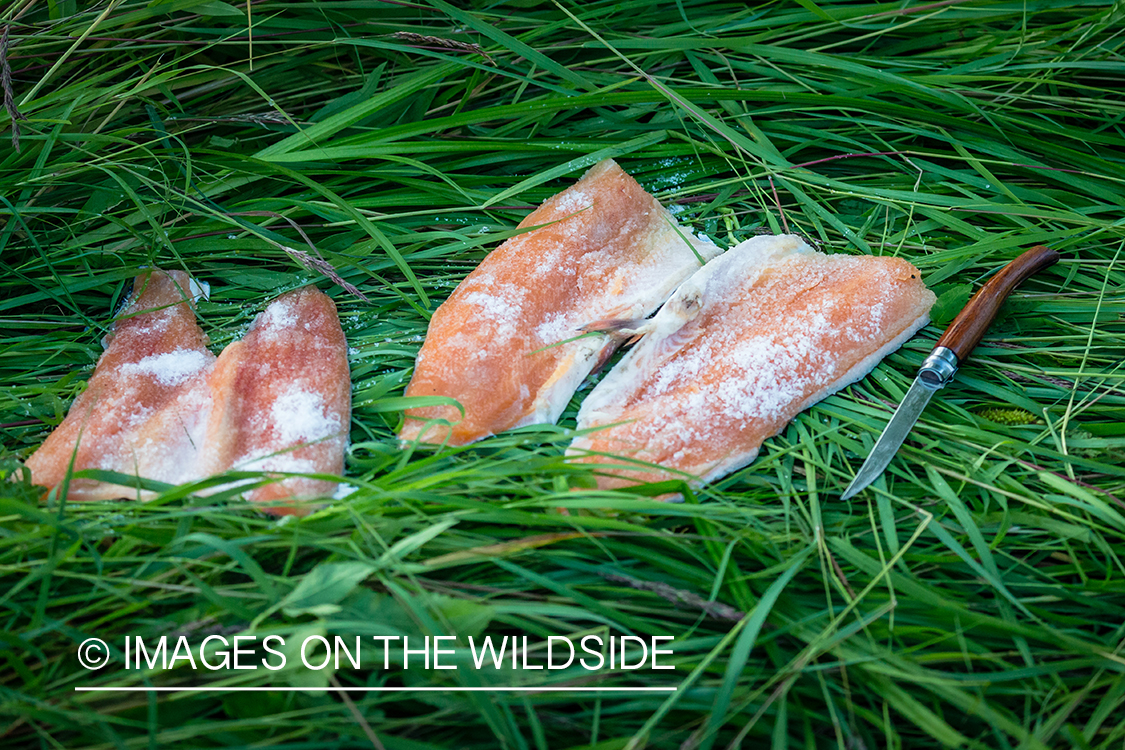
(973, 597)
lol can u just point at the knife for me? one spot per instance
(952, 348)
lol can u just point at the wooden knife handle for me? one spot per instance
(968, 328)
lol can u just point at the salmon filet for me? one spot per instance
(501, 346)
(154, 353)
(743, 346)
(287, 396)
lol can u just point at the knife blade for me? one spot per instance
(938, 369)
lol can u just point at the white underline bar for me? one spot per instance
(527, 689)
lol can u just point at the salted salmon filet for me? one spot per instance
(743, 346)
(286, 391)
(508, 345)
(154, 352)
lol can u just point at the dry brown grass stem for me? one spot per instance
(313, 261)
(6, 84)
(424, 39)
(718, 610)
